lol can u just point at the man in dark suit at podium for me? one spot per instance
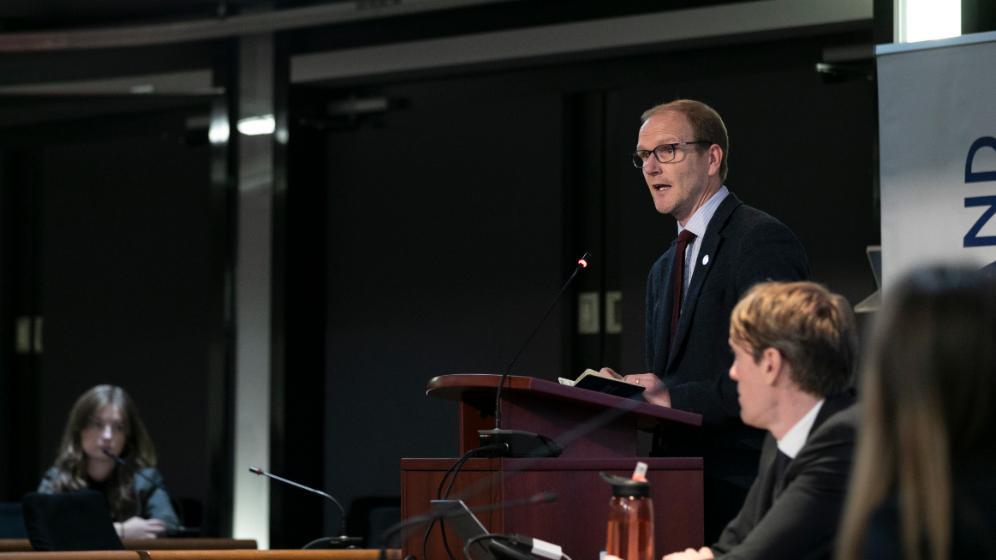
(723, 248)
(794, 346)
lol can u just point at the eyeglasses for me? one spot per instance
(665, 153)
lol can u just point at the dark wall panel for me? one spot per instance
(125, 287)
(445, 245)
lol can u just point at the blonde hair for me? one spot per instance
(706, 125)
(929, 390)
(813, 328)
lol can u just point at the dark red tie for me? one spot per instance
(678, 277)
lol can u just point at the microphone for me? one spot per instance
(155, 483)
(342, 540)
(520, 443)
(180, 529)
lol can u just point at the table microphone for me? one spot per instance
(521, 443)
(156, 485)
(342, 540)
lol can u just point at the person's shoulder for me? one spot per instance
(147, 478)
(841, 424)
(47, 484)
(882, 533)
(751, 221)
(150, 472)
(844, 421)
(974, 497)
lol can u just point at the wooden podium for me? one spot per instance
(598, 433)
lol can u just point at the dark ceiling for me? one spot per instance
(53, 15)
(26, 15)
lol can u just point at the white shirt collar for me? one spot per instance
(793, 440)
(700, 219)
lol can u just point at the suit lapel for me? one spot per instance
(710, 245)
(662, 312)
(766, 475)
(831, 406)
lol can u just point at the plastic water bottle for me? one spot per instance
(631, 518)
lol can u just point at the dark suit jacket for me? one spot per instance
(801, 520)
(744, 246)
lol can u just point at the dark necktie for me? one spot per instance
(678, 277)
(781, 465)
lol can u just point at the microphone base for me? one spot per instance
(519, 443)
(341, 541)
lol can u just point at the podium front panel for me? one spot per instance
(576, 520)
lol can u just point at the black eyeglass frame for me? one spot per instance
(639, 159)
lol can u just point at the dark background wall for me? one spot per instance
(446, 240)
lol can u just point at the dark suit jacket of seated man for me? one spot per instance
(794, 346)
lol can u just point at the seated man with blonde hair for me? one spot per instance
(794, 347)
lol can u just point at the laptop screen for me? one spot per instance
(460, 520)
(69, 521)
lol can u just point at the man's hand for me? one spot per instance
(139, 528)
(654, 391)
(704, 553)
(610, 372)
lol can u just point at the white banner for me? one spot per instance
(937, 132)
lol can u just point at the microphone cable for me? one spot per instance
(453, 471)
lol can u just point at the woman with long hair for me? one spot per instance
(924, 483)
(106, 447)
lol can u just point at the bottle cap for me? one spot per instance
(627, 487)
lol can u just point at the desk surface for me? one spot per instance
(233, 554)
(24, 545)
(328, 554)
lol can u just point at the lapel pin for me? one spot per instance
(705, 260)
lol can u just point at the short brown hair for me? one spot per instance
(813, 328)
(706, 125)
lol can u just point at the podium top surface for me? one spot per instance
(453, 387)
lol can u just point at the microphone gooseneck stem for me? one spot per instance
(326, 495)
(581, 263)
(134, 470)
